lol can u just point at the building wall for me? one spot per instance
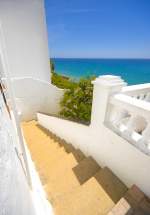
(34, 95)
(15, 195)
(24, 29)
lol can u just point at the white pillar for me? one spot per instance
(104, 87)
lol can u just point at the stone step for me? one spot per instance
(49, 172)
(69, 161)
(66, 181)
(134, 202)
(33, 130)
(48, 158)
(46, 155)
(86, 169)
(111, 184)
(44, 146)
(97, 196)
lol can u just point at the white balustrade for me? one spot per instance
(130, 117)
(140, 91)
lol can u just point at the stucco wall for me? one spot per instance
(24, 29)
(15, 195)
(128, 163)
(34, 95)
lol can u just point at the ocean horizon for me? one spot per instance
(133, 71)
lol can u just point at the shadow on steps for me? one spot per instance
(88, 168)
(69, 148)
(112, 185)
(85, 169)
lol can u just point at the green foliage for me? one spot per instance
(52, 66)
(62, 81)
(59, 80)
(77, 101)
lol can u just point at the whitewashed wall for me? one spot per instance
(15, 195)
(24, 28)
(128, 163)
(108, 148)
(34, 95)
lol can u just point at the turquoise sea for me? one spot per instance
(133, 71)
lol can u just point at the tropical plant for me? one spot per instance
(77, 101)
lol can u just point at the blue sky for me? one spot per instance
(98, 28)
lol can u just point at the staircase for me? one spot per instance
(76, 184)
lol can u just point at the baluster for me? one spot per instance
(136, 96)
(147, 97)
(146, 133)
(117, 116)
(144, 142)
(142, 96)
(135, 123)
(130, 126)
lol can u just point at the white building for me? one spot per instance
(118, 136)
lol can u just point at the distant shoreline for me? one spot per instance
(133, 71)
(53, 58)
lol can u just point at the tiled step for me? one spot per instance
(69, 161)
(33, 130)
(66, 181)
(86, 169)
(44, 147)
(78, 154)
(97, 196)
(111, 184)
(134, 202)
(49, 172)
(48, 158)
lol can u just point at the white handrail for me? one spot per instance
(136, 89)
(133, 105)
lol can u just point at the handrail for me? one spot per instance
(136, 89)
(133, 105)
(130, 118)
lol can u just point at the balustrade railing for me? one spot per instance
(140, 91)
(130, 118)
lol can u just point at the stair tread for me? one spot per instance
(89, 199)
(48, 159)
(78, 154)
(49, 148)
(111, 183)
(67, 180)
(86, 169)
(134, 201)
(52, 171)
(98, 195)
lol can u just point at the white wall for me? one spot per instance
(24, 28)
(34, 95)
(15, 195)
(107, 148)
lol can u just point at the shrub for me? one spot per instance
(60, 80)
(76, 103)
